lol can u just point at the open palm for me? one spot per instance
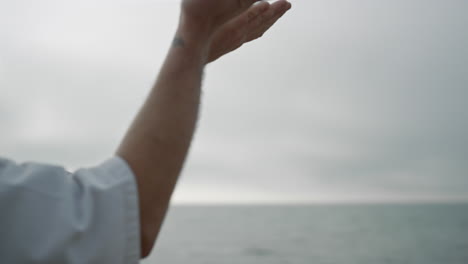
(231, 23)
(215, 12)
(247, 26)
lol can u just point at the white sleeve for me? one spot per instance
(49, 215)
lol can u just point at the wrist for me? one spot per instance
(195, 31)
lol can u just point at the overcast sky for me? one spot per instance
(357, 100)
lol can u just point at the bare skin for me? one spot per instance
(157, 142)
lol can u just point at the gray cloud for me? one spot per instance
(356, 100)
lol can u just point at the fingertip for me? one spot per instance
(281, 4)
(262, 5)
(261, 2)
(286, 5)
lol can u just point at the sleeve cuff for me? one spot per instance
(118, 167)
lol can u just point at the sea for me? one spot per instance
(314, 234)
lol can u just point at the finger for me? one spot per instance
(275, 11)
(266, 20)
(254, 11)
(238, 28)
(246, 4)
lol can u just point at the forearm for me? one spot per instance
(158, 140)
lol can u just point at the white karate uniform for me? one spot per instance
(49, 215)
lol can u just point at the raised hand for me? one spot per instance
(248, 26)
(211, 14)
(221, 26)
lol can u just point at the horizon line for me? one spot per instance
(318, 203)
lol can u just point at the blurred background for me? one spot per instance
(342, 102)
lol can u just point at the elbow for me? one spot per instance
(145, 252)
(149, 235)
(147, 243)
